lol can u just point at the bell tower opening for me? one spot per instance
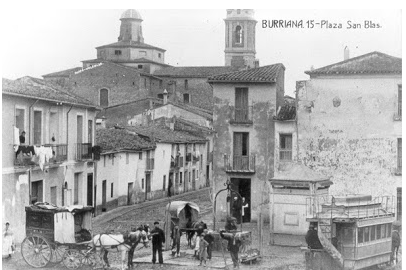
(240, 38)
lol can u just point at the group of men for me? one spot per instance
(204, 242)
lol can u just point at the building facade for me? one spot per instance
(245, 103)
(349, 124)
(54, 163)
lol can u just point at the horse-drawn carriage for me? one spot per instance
(185, 215)
(57, 234)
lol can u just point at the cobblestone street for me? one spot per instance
(121, 219)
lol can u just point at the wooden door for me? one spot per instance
(89, 189)
(104, 194)
(130, 193)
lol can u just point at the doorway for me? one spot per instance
(89, 189)
(37, 191)
(104, 194)
(130, 193)
(207, 175)
(147, 185)
(243, 187)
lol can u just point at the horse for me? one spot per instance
(119, 243)
(192, 228)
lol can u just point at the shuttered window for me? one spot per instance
(285, 146)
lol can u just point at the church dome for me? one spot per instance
(131, 14)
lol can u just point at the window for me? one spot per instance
(241, 144)
(90, 131)
(76, 188)
(400, 100)
(145, 82)
(111, 195)
(285, 146)
(373, 229)
(104, 98)
(104, 161)
(37, 127)
(127, 158)
(180, 177)
(117, 52)
(143, 53)
(159, 55)
(186, 85)
(241, 104)
(142, 183)
(189, 177)
(112, 159)
(140, 156)
(140, 66)
(238, 34)
(160, 96)
(186, 98)
(79, 129)
(378, 232)
(164, 183)
(20, 120)
(36, 191)
(399, 155)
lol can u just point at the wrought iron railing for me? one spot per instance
(239, 163)
(83, 151)
(59, 151)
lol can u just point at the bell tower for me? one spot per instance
(240, 38)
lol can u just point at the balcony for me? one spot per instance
(177, 163)
(241, 116)
(188, 157)
(150, 164)
(195, 158)
(24, 156)
(83, 151)
(239, 164)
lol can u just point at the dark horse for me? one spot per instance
(192, 228)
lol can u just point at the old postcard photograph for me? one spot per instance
(191, 138)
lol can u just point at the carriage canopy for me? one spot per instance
(181, 212)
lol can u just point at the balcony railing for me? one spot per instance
(177, 162)
(243, 164)
(83, 151)
(242, 115)
(59, 151)
(150, 164)
(25, 157)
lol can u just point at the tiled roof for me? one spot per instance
(191, 127)
(370, 63)
(130, 43)
(161, 133)
(120, 139)
(265, 74)
(196, 110)
(193, 72)
(286, 112)
(119, 114)
(63, 73)
(38, 89)
(138, 60)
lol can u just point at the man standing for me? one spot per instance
(234, 244)
(209, 238)
(22, 138)
(158, 238)
(175, 235)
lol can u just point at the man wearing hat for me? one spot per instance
(312, 239)
(158, 238)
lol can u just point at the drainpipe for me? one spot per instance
(29, 142)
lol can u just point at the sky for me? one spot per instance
(45, 40)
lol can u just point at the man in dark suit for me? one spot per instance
(158, 238)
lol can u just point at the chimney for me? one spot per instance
(165, 97)
(346, 53)
(256, 63)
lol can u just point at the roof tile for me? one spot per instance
(119, 139)
(370, 63)
(194, 72)
(263, 74)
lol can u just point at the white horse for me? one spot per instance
(119, 243)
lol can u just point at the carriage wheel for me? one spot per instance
(57, 254)
(36, 251)
(89, 258)
(73, 259)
